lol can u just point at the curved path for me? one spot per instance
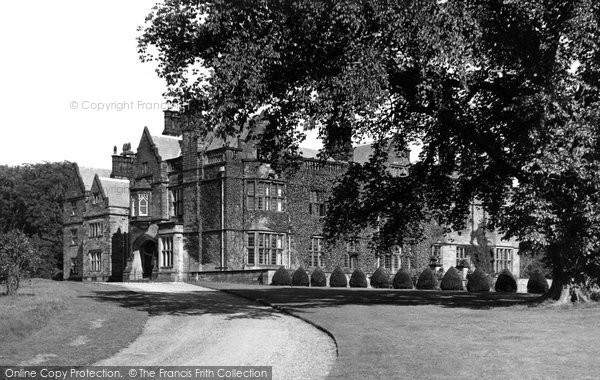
(192, 325)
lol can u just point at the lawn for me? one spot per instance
(434, 334)
(59, 323)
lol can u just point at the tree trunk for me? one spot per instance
(12, 285)
(563, 291)
(12, 281)
(560, 289)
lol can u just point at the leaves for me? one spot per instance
(31, 200)
(503, 96)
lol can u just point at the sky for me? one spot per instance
(64, 63)
(71, 83)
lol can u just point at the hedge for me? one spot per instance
(338, 278)
(506, 282)
(381, 278)
(318, 278)
(300, 278)
(452, 280)
(537, 283)
(402, 280)
(427, 280)
(358, 279)
(281, 277)
(478, 281)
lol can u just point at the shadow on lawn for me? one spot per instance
(303, 298)
(189, 303)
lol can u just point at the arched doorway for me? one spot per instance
(149, 256)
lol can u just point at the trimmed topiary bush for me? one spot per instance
(381, 278)
(338, 278)
(452, 280)
(402, 280)
(300, 278)
(281, 277)
(537, 283)
(427, 280)
(358, 279)
(318, 278)
(478, 281)
(506, 282)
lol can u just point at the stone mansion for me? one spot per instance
(180, 205)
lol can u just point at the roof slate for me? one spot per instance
(87, 175)
(117, 191)
(362, 153)
(168, 146)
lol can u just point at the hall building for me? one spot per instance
(182, 205)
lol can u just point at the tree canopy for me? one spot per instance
(31, 201)
(502, 96)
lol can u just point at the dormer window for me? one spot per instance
(143, 204)
(144, 168)
(96, 198)
(73, 208)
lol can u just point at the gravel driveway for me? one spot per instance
(191, 325)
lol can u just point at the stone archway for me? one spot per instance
(148, 254)
(144, 257)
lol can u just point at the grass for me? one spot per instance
(58, 323)
(435, 334)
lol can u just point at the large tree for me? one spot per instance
(18, 259)
(501, 95)
(31, 201)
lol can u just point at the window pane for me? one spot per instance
(261, 204)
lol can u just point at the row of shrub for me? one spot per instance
(477, 281)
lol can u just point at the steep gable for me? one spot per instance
(116, 190)
(168, 147)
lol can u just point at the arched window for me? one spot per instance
(143, 204)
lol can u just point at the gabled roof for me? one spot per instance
(116, 190)
(362, 153)
(168, 146)
(87, 175)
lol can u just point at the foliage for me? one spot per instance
(537, 283)
(281, 277)
(506, 282)
(300, 277)
(427, 280)
(452, 280)
(464, 263)
(536, 266)
(439, 274)
(503, 97)
(358, 279)
(18, 259)
(338, 278)
(318, 278)
(31, 200)
(380, 278)
(402, 280)
(478, 281)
